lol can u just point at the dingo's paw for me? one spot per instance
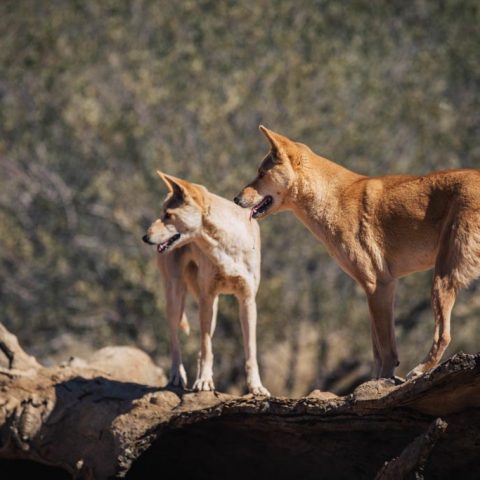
(416, 372)
(178, 377)
(259, 390)
(204, 385)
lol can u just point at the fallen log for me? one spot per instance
(92, 421)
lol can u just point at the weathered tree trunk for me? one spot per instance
(108, 417)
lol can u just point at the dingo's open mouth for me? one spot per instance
(161, 247)
(262, 207)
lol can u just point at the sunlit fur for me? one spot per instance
(379, 229)
(218, 252)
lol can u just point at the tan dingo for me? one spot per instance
(379, 229)
(208, 246)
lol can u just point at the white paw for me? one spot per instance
(204, 385)
(259, 390)
(178, 377)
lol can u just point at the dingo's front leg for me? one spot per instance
(248, 319)
(380, 302)
(208, 317)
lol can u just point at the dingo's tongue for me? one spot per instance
(261, 206)
(162, 246)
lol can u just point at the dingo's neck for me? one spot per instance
(226, 232)
(315, 196)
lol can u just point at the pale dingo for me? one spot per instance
(208, 246)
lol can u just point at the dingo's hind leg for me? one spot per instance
(376, 352)
(443, 298)
(458, 262)
(175, 293)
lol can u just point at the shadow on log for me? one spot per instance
(85, 418)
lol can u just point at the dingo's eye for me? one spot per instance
(261, 173)
(167, 216)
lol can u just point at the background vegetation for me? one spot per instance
(96, 95)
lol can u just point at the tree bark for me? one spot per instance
(109, 417)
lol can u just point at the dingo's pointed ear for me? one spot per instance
(165, 181)
(173, 184)
(276, 140)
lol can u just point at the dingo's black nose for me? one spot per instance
(237, 200)
(145, 239)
